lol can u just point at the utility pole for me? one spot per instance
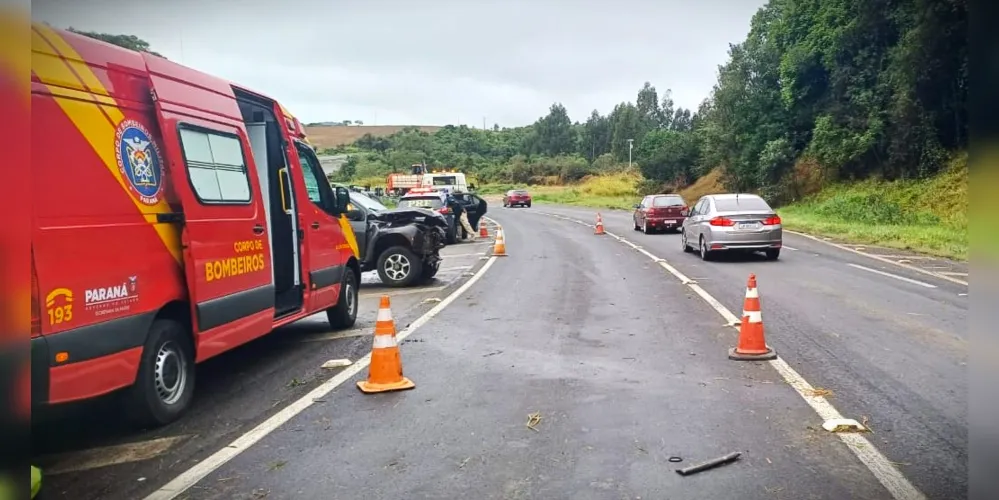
(630, 145)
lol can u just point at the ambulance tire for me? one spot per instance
(164, 386)
(344, 313)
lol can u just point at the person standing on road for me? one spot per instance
(461, 214)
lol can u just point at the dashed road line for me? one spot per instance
(858, 251)
(890, 275)
(105, 456)
(883, 469)
(786, 247)
(202, 469)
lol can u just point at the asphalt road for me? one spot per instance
(892, 351)
(625, 365)
(88, 452)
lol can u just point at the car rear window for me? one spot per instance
(430, 202)
(743, 203)
(519, 193)
(667, 201)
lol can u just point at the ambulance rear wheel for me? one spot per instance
(164, 386)
(344, 313)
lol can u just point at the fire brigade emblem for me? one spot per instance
(139, 161)
(133, 285)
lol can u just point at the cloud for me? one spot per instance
(436, 61)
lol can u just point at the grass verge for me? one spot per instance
(927, 216)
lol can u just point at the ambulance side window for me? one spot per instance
(216, 166)
(315, 181)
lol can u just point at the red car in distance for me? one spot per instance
(660, 212)
(517, 197)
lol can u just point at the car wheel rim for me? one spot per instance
(683, 239)
(397, 267)
(351, 303)
(704, 249)
(170, 373)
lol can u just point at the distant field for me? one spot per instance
(332, 136)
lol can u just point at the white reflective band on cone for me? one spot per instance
(384, 341)
(752, 293)
(384, 315)
(754, 316)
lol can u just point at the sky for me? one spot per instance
(434, 62)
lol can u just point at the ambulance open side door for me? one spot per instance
(226, 253)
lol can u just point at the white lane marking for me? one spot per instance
(105, 456)
(953, 273)
(890, 275)
(456, 268)
(476, 254)
(882, 259)
(790, 248)
(393, 293)
(202, 469)
(883, 469)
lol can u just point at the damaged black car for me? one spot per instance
(402, 244)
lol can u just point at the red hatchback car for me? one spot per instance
(517, 197)
(660, 212)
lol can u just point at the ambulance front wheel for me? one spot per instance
(164, 386)
(344, 313)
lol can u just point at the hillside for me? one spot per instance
(340, 135)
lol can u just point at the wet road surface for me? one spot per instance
(625, 366)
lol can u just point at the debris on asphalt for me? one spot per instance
(295, 383)
(492, 353)
(843, 425)
(533, 419)
(431, 300)
(336, 363)
(820, 392)
(463, 462)
(675, 459)
(710, 464)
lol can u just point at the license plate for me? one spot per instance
(671, 221)
(750, 225)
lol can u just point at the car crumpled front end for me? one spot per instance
(425, 229)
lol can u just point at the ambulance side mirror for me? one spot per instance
(342, 199)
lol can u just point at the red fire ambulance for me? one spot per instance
(175, 216)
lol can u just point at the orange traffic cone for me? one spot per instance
(752, 343)
(499, 249)
(483, 233)
(385, 372)
(385, 324)
(599, 228)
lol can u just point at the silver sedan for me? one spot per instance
(732, 222)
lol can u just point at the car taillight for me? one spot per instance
(445, 210)
(684, 211)
(772, 221)
(721, 221)
(36, 314)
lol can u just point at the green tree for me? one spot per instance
(668, 156)
(627, 123)
(131, 42)
(554, 132)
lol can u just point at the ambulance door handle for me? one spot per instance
(315, 225)
(258, 229)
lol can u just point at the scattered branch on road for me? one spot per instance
(533, 419)
(710, 464)
(820, 392)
